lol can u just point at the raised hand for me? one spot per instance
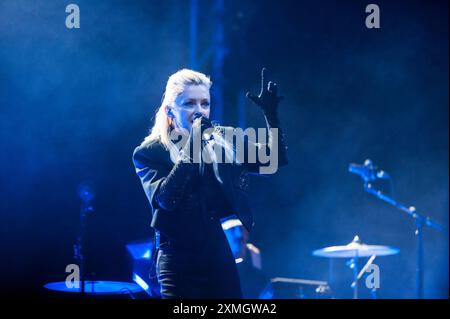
(267, 99)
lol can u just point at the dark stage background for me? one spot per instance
(75, 103)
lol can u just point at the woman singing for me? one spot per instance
(189, 196)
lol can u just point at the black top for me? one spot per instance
(181, 199)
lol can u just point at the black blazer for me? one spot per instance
(152, 163)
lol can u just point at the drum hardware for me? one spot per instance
(354, 251)
(354, 284)
(295, 288)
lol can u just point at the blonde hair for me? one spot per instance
(160, 132)
(175, 86)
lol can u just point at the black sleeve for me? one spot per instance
(267, 148)
(164, 185)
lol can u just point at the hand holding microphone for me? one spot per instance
(199, 125)
(201, 122)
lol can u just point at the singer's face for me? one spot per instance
(194, 99)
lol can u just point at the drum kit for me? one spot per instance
(354, 251)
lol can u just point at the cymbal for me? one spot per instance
(97, 287)
(355, 249)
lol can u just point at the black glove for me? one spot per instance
(267, 99)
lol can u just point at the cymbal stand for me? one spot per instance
(353, 264)
(361, 273)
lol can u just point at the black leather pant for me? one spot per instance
(191, 273)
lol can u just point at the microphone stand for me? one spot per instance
(420, 221)
(86, 194)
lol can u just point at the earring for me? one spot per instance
(169, 117)
(169, 120)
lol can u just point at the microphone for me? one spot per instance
(368, 171)
(206, 122)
